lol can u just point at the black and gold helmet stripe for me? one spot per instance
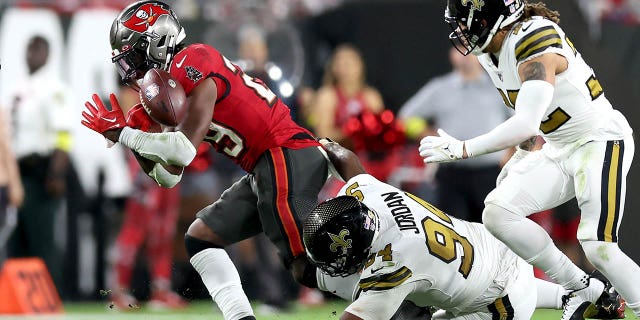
(610, 192)
(537, 41)
(501, 309)
(385, 281)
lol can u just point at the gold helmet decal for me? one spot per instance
(475, 4)
(340, 241)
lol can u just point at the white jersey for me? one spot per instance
(41, 109)
(579, 111)
(444, 262)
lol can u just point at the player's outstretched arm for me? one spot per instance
(346, 162)
(538, 77)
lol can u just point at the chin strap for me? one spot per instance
(496, 27)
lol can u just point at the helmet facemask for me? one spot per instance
(132, 64)
(474, 23)
(144, 36)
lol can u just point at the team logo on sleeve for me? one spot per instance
(339, 241)
(146, 16)
(193, 74)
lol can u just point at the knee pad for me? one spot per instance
(600, 252)
(195, 245)
(492, 217)
(500, 221)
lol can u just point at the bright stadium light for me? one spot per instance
(275, 72)
(286, 89)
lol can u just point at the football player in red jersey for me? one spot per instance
(242, 119)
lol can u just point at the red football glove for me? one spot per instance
(99, 118)
(138, 118)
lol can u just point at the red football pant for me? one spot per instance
(151, 218)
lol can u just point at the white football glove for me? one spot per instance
(443, 148)
(515, 158)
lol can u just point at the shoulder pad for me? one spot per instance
(532, 37)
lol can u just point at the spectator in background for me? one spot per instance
(622, 11)
(41, 116)
(352, 113)
(253, 53)
(343, 95)
(463, 102)
(11, 190)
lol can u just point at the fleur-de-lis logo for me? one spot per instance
(475, 4)
(340, 241)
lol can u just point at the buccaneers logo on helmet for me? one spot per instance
(145, 17)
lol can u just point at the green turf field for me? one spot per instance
(205, 310)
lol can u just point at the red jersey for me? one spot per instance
(248, 118)
(348, 108)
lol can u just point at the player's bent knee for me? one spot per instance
(199, 230)
(599, 253)
(499, 221)
(195, 245)
(304, 272)
(492, 216)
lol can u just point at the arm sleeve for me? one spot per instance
(169, 148)
(380, 305)
(533, 100)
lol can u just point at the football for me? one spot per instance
(163, 97)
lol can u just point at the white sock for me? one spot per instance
(223, 282)
(549, 294)
(622, 272)
(531, 242)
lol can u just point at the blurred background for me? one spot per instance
(346, 68)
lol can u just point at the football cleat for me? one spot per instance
(610, 305)
(123, 301)
(579, 303)
(165, 299)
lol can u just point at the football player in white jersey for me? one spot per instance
(397, 247)
(588, 150)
